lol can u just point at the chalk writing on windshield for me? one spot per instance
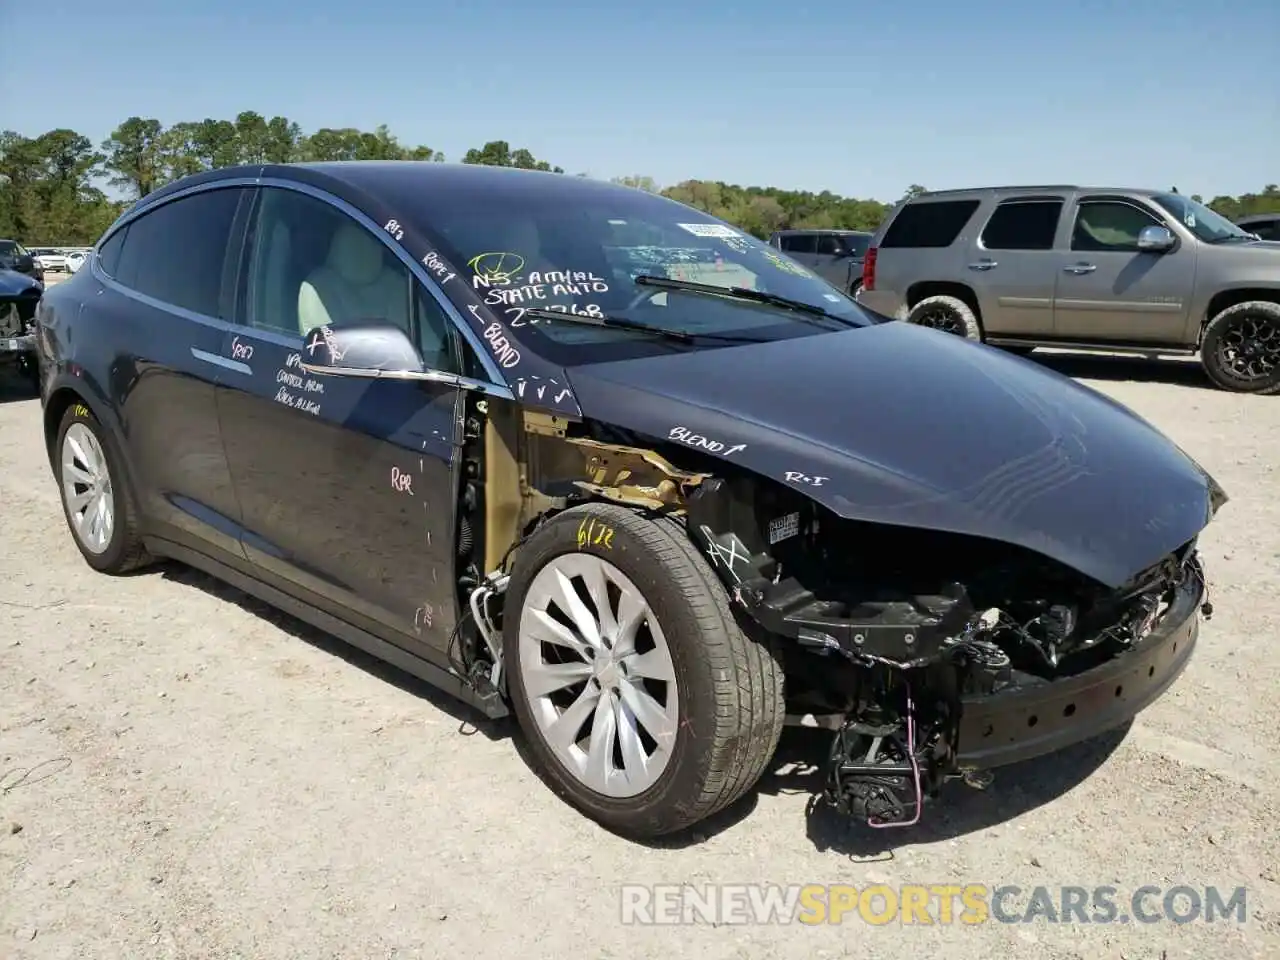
(785, 265)
(689, 438)
(498, 267)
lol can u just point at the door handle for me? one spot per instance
(1079, 268)
(983, 265)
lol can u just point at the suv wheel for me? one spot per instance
(643, 703)
(948, 314)
(1241, 348)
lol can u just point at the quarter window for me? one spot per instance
(1023, 225)
(929, 223)
(177, 253)
(1109, 225)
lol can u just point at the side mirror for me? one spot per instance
(1155, 239)
(361, 350)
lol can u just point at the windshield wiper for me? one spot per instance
(1234, 236)
(622, 323)
(741, 293)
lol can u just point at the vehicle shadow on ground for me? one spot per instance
(1182, 371)
(471, 721)
(799, 767)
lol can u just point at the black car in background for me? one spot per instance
(14, 256)
(834, 255)
(588, 455)
(1265, 225)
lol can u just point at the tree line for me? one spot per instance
(51, 185)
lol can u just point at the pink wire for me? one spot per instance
(915, 769)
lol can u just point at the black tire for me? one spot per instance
(731, 705)
(1259, 316)
(124, 550)
(947, 313)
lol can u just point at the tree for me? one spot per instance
(133, 156)
(498, 153)
(50, 185)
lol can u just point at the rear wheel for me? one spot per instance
(1241, 348)
(948, 314)
(644, 704)
(96, 498)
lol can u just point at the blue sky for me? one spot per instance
(860, 98)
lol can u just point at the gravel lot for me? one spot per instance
(207, 778)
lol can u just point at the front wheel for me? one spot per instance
(948, 314)
(644, 704)
(1240, 350)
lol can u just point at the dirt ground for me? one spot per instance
(190, 774)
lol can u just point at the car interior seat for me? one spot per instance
(355, 282)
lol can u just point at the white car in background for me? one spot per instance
(75, 260)
(50, 259)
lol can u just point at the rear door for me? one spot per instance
(1014, 266)
(347, 485)
(166, 293)
(1107, 290)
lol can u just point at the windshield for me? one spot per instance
(1204, 223)
(581, 253)
(8, 248)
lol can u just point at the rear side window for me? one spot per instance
(177, 253)
(931, 223)
(799, 243)
(1023, 225)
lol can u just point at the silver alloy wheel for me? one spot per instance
(598, 675)
(86, 488)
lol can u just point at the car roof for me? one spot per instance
(1034, 188)
(839, 230)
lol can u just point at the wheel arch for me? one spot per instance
(943, 288)
(1225, 299)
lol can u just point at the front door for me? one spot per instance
(347, 486)
(1107, 290)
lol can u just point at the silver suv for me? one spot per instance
(1133, 271)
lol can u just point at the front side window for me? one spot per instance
(799, 243)
(1022, 225)
(829, 244)
(583, 250)
(311, 265)
(1109, 226)
(177, 253)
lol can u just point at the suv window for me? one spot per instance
(1266, 229)
(799, 243)
(929, 223)
(177, 252)
(1109, 225)
(1022, 225)
(310, 264)
(829, 244)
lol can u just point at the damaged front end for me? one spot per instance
(935, 655)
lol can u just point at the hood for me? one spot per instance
(899, 424)
(14, 284)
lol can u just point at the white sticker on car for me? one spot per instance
(710, 230)
(784, 527)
